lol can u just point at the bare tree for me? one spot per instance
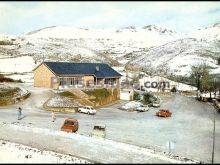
(201, 77)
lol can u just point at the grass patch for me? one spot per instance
(67, 94)
(99, 94)
(8, 92)
(7, 95)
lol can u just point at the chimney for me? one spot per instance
(97, 68)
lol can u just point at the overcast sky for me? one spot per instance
(20, 17)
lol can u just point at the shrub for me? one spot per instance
(148, 98)
(136, 96)
(173, 89)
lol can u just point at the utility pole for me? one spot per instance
(213, 145)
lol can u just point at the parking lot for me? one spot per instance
(189, 129)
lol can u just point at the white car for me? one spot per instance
(143, 108)
(87, 109)
(156, 104)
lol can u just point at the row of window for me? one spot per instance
(110, 81)
(71, 81)
(78, 81)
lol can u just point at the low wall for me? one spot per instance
(61, 109)
(186, 93)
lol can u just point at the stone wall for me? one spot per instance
(43, 77)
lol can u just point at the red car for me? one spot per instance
(164, 113)
(70, 125)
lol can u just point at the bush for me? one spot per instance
(136, 96)
(173, 89)
(148, 98)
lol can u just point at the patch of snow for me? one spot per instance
(24, 77)
(131, 105)
(17, 64)
(59, 101)
(169, 84)
(17, 153)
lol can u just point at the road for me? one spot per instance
(189, 128)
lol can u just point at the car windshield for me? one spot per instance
(67, 122)
(102, 128)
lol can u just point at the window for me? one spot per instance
(67, 122)
(70, 81)
(110, 81)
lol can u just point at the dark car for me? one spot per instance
(70, 125)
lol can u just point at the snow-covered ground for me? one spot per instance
(17, 64)
(152, 81)
(59, 101)
(131, 105)
(17, 153)
(97, 146)
(24, 77)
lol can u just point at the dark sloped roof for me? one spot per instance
(64, 68)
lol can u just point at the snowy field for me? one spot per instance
(17, 153)
(18, 64)
(24, 77)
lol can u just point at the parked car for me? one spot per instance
(70, 125)
(99, 130)
(87, 109)
(143, 108)
(156, 104)
(164, 113)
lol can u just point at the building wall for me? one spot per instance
(88, 78)
(43, 77)
(126, 94)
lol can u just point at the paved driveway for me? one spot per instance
(189, 129)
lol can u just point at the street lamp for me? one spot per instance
(213, 145)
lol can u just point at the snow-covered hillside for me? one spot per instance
(178, 56)
(147, 46)
(211, 33)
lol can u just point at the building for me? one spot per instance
(59, 75)
(127, 94)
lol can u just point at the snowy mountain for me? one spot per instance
(178, 56)
(211, 33)
(147, 46)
